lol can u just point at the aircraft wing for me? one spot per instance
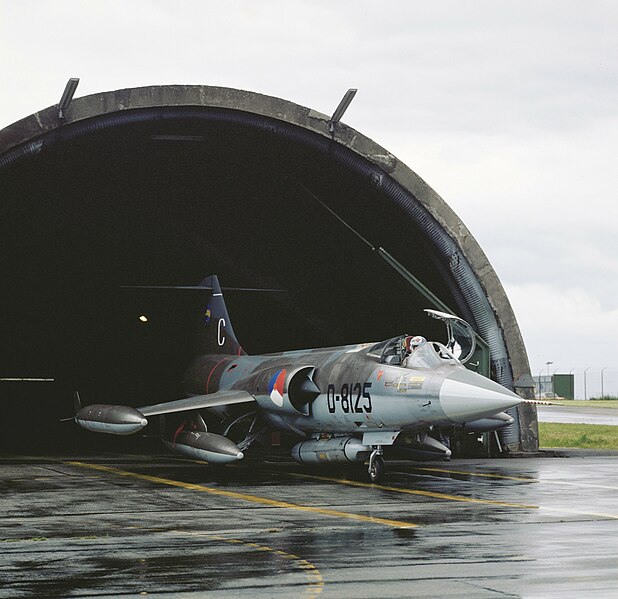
(199, 402)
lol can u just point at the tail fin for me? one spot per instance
(215, 333)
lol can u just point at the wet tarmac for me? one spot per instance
(578, 415)
(159, 526)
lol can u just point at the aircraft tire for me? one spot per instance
(376, 471)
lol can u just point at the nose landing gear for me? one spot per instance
(376, 465)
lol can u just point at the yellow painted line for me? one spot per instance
(354, 483)
(482, 474)
(520, 478)
(447, 497)
(246, 496)
(316, 584)
(570, 512)
(572, 484)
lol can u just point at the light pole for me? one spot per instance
(540, 376)
(549, 376)
(585, 389)
(602, 370)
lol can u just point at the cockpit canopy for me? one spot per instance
(461, 336)
(430, 355)
(399, 351)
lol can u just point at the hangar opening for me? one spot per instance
(166, 185)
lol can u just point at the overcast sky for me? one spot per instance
(509, 110)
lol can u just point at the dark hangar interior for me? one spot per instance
(167, 195)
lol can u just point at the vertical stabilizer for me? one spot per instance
(215, 332)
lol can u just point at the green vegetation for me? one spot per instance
(605, 398)
(584, 436)
(580, 403)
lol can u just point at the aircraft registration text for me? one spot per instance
(352, 398)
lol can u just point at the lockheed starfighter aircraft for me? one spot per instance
(343, 404)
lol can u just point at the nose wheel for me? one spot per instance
(376, 466)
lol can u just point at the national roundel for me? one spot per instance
(276, 386)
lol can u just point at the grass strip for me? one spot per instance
(584, 436)
(591, 403)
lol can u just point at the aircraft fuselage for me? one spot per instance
(357, 393)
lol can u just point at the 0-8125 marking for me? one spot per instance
(352, 398)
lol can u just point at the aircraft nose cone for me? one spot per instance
(466, 396)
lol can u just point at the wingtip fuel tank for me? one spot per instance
(117, 420)
(206, 447)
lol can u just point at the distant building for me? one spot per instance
(555, 385)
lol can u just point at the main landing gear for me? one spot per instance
(376, 465)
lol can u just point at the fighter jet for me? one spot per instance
(341, 404)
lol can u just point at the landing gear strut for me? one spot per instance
(376, 465)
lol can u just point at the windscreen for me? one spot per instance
(430, 356)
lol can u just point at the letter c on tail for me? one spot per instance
(220, 329)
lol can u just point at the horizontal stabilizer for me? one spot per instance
(201, 288)
(199, 402)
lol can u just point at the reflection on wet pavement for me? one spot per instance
(161, 526)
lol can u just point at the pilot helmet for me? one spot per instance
(416, 341)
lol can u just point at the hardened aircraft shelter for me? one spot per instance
(165, 185)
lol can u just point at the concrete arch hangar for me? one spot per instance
(168, 184)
